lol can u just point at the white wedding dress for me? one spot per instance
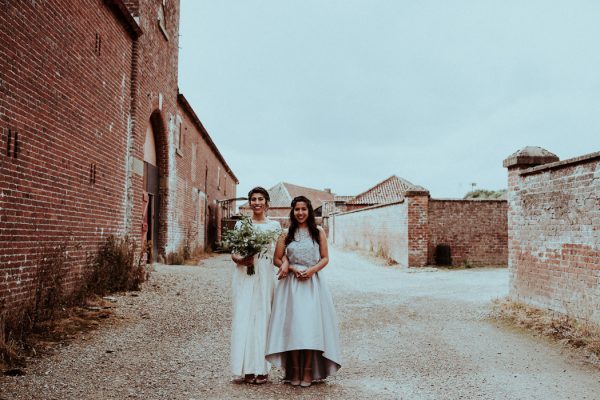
(252, 296)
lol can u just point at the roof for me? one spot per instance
(282, 194)
(204, 133)
(390, 190)
(343, 198)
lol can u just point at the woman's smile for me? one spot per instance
(301, 212)
(258, 203)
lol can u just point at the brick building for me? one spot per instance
(554, 231)
(203, 180)
(400, 221)
(95, 138)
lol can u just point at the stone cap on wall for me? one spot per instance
(530, 156)
(591, 157)
(416, 191)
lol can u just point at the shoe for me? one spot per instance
(260, 379)
(250, 378)
(295, 372)
(304, 383)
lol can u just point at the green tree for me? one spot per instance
(485, 194)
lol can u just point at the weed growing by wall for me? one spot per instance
(116, 266)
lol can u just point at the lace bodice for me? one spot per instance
(303, 251)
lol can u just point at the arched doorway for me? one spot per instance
(151, 194)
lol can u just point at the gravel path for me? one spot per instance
(406, 334)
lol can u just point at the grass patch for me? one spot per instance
(56, 312)
(567, 330)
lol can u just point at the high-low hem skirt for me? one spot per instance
(303, 318)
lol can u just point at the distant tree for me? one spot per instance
(485, 194)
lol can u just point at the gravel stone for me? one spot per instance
(405, 335)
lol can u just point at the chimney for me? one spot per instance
(328, 190)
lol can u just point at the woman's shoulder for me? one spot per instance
(272, 222)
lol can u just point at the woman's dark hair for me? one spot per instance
(310, 221)
(261, 190)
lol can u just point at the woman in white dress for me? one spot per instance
(303, 337)
(252, 296)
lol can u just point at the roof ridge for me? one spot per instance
(286, 190)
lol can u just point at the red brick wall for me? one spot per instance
(554, 235)
(66, 94)
(408, 232)
(418, 233)
(475, 230)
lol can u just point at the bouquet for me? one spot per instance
(246, 241)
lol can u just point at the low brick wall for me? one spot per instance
(475, 230)
(554, 232)
(382, 230)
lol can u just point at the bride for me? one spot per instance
(252, 295)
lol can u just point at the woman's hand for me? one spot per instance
(306, 274)
(239, 260)
(283, 270)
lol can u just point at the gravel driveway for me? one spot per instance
(406, 334)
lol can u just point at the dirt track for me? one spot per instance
(405, 334)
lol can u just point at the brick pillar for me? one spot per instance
(418, 229)
(523, 159)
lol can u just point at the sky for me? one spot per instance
(342, 94)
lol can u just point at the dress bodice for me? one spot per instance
(303, 250)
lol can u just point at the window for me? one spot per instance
(194, 155)
(98, 44)
(162, 18)
(179, 139)
(219, 178)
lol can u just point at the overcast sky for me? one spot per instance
(344, 93)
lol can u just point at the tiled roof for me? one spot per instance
(390, 190)
(316, 196)
(283, 193)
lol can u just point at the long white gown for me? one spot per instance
(252, 296)
(303, 315)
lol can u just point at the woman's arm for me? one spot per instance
(279, 254)
(280, 260)
(284, 268)
(323, 261)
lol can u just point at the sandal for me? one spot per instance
(260, 379)
(250, 378)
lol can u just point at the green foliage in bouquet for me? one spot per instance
(247, 241)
